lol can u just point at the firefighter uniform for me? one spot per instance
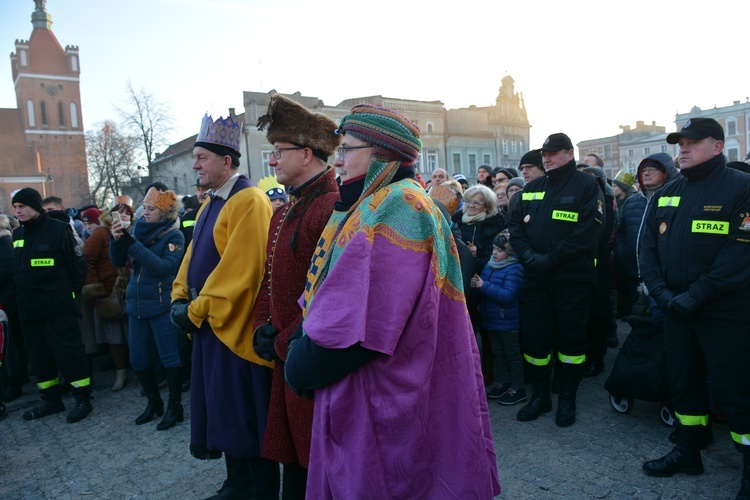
(554, 227)
(695, 261)
(50, 269)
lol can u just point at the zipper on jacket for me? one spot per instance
(138, 292)
(161, 303)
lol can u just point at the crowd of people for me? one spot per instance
(280, 309)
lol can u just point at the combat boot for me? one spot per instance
(81, 409)
(566, 401)
(744, 493)
(540, 401)
(51, 404)
(684, 458)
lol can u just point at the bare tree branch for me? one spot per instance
(111, 160)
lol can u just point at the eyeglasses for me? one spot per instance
(475, 203)
(277, 152)
(649, 170)
(343, 149)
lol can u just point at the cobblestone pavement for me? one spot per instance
(107, 456)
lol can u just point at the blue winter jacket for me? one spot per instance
(156, 252)
(631, 216)
(500, 291)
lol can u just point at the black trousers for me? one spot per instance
(54, 346)
(719, 348)
(256, 477)
(553, 315)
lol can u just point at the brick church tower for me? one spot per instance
(44, 135)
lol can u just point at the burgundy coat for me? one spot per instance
(292, 239)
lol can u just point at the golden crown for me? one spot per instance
(223, 131)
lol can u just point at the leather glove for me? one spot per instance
(178, 315)
(264, 342)
(126, 240)
(682, 306)
(292, 340)
(536, 262)
(662, 295)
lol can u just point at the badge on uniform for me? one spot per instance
(662, 228)
(527, 218)
(599, 206)
(173, 247)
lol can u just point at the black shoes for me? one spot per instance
(81, 409)
(48, 407)
(155, 406)
(174, 414)
(705, 439)
(538, 405)
(676, 461)
(593, 369)
(566, 411)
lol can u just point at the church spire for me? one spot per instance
(40, 18)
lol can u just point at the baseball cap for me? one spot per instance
(557, 142)
(698, 128)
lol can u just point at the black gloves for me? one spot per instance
(662, 295)
(264, 342)
(179, 316)
(536, 262)
(126, 240)
(682, 306)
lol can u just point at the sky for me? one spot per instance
(583, 67)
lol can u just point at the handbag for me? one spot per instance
(112, 307)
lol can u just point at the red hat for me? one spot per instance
(91, 215)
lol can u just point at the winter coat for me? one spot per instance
(631, 217)
(156, 250)
(499, 292)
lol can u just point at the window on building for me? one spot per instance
(456, 163)
(646, 151)
(43, 107)
(74, 63)
(631, 153)
(486, 159)
(520, 147)
(61, 114)
(176, 186)
(418, 164)
(505, 147)
(30, 113)
(513, 147)
(185, 183)
(663, 148)
(731, 127)
(432, 159)
(472, 164)
(733, 154)
(73, 115)
(22, 54)
(430, 128)
(265, 156)
(607, 152)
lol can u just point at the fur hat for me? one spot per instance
(161, 200)
(289, 121)
(29, 197)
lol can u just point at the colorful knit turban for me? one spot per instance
(393, 134)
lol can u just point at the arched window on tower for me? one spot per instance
(61, 112)
(30, 113)
(74, 63)
(43, 107)
(22, 54)
(73, 115)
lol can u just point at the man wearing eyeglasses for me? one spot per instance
(554, 226)
(531, 166)
(302, 143)
(214, 299)
(694, 255)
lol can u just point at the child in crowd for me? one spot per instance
(499, 287)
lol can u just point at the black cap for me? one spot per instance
(533, 157)
(698, 128)
(557, 142)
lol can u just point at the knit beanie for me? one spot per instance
(394, 136)
(515, 181)
(91, 215)
(29, 197)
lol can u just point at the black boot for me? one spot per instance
(155, 404)
(540, 400)
(685, 457)
(83, 405)
(744, 493)
(174, 409)
(51, 404)
(570, 377)
(707, 436)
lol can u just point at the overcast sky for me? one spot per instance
(583, 67)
